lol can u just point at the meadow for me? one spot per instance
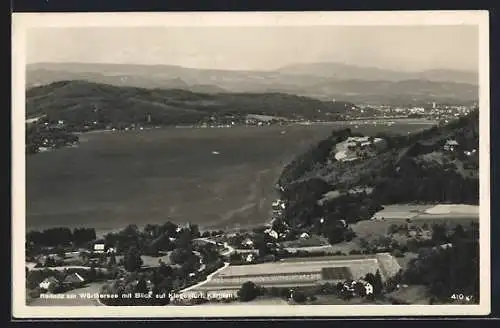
(216, 178)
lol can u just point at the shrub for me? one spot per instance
(397, 253)
(248, 292)
(299, 297)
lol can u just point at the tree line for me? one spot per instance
(60, 236)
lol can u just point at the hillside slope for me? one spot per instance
(82, 103)
(411, 169)
(321, 80)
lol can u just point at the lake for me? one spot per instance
(217, 178)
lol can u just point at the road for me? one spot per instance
(209, 278)
(229, 250)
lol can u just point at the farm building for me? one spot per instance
(451, 145)
(355, 147)
(74, 280)
(304, 235)
(48, 282)
(247, 243)
(250, 258)
(100, 247)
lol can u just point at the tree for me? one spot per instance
(166, 285)
(195, 230)
(439, 233)
(54, 288)
(133, 260)
(349, 235)
(112, 261)
(165, 270)
(141, 286)
(169, 229)
(248, 292)
(459, 233)
(184, 240)
(152, 230)
(299, 297)
(378, 285)
(360, 289)
(370, 278)
(34, 278)
(180, 255)
(92, 275)
(335, 234)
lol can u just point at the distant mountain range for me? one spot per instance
(351, 72)
(318, 80)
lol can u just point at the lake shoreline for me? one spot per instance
(114, 179)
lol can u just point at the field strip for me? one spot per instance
(263, 284)
(277, 267)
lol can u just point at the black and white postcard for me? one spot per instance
(250, 164)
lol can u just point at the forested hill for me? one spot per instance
(81, 103)
(416, 168)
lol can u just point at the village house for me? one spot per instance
(444, 246)
(247, 243)
(469, 152)
(250, 258)
(99, 248)
(368, 287)
(356, 147)
(350, 287)
(451, 145)
(272, 233)
(74, 280)
(48, 282)
(304, 235)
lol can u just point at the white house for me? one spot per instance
(272, 233)
(450, 145)
(367, 285)
(99, 248)
(47, 282)
(368, 288)
(247, 242)
(250, 258)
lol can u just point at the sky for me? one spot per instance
(407, 48)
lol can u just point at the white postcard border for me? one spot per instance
(21, 22)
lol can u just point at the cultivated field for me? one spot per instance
(420, 214)
(137, 177)
(302, 271)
